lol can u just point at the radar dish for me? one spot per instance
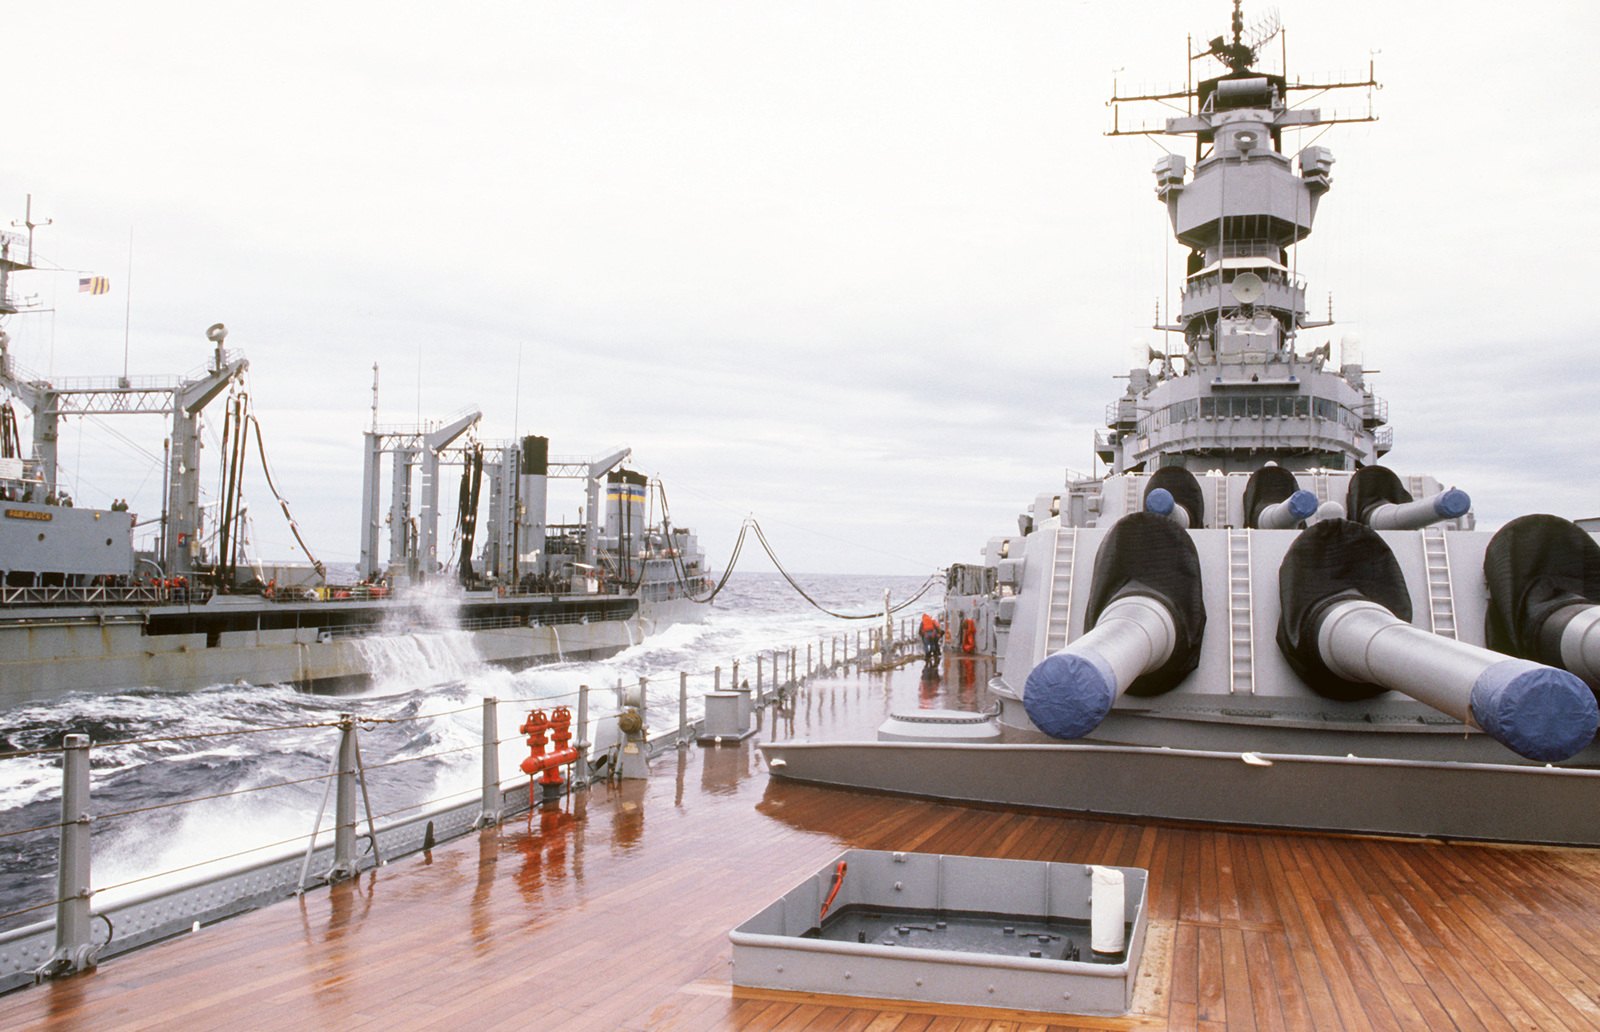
(1263, 31)
(1241, 53)
(1247, 288)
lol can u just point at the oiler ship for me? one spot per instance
(613, 910)
(82, 609)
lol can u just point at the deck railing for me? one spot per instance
(101, 594)
(78, 934)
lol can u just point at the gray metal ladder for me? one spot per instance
(1241, 615)
(1132, 500)
(1059, 617)
(1222, 502)
(1441, 599)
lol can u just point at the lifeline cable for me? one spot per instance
(677, 559)
(931, 581)
(749, 523)
(293, 527)
(733, 559)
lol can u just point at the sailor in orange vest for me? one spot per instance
(930, 639)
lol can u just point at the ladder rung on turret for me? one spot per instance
(1241, 643)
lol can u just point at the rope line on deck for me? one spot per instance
(29, 910)
(42, 827)
(428, 802)
(202, 863)
(423, 756)
(202, 799)
(52, 750)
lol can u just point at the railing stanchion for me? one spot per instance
(683, 708)
(734, 682)
(582, 767)
(758, 678)
(492, 800)
(73, 951)
(344, 806)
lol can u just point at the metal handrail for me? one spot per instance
(98, 594)
(164, 916)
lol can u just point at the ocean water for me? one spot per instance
(189, 783)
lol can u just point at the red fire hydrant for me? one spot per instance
(559, 725)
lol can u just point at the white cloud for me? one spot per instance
(864, 270)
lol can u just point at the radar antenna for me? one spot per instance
(1241, 53)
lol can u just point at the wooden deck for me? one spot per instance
(613, 913)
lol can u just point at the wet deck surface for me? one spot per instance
(613, 913)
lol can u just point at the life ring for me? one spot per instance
(969, 635)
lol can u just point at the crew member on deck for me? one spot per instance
(930, 639)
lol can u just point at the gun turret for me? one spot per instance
(1144, 624)
(1345, 629)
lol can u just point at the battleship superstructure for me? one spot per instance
(1249, 619)
(83, 609)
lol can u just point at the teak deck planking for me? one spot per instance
(613, 912)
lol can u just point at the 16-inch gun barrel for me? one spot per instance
(1288, 513)
(1544, 594)
(1576, 630)
(1160, 502)
(1536, 711)
(1070, 693)
(1144, 621)
(1446, 505)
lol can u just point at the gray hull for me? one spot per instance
(85, 650)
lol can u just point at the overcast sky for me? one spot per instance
(862, 270)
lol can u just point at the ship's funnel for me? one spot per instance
(1544, 594)
(1378, 499)
(531, 503)
(1273, 500)
(1145, 620)
(1345, 630)
(625, 518)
